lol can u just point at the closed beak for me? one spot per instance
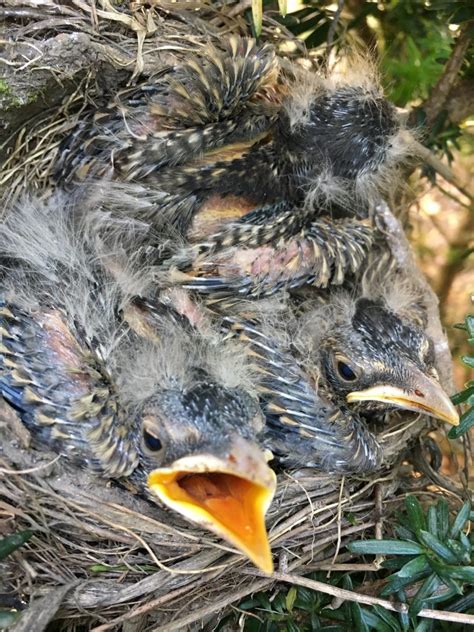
(426, 396)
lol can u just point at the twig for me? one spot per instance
(333, 27)
(349, 595)
(30, 470)
(453, 197)
(440, 93)
(180, 624)
(240, 7)
(339, 523)
(144, 608)
(457, 246)
(444, 171)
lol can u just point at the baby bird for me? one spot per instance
(332, 364)
(237, 149)
(174, 415)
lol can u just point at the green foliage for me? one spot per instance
(8, 618)
(466, 396)
(298, 609)
(411, 67)
(434, 554)
(8, 545)
(11, 543)
(413, 40)
(428, 566)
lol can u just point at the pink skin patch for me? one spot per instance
(184, 305)
(297, 258)
(64, 350)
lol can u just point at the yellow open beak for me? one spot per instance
(427, 397)
(229, 496)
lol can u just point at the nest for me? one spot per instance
(100, 557)
(61, 59)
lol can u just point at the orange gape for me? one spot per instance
(227, 497)
(232, 507)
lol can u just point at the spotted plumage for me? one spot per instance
(321, 254)
(155, 397)
(60, 387)
(304, 427)
(236, 147)
(331, 364)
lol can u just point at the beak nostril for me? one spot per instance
(419, 393)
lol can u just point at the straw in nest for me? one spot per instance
(100, 557)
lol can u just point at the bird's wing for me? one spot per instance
(303, 426)
(216, 97)
(246, 261)
(62, 390)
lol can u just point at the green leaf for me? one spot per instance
(417, 565)
(429, 586)
(463, 573)
(387, 617)
(396, 563)
(359, 623)
(373, 622)
(395, 583)
(442, 511)
(385, 547)
(454, 585)
(424, 625)
(438, 548)
(290, 598)
(469, 360)
(8, 618)
(465, 423)
(257, 16)
(464, 604)
(469, 320)
(13, 542)
(291, 626)
(404, 534)
(416, 515)
(465, 543)
(404, 621)
(463, 396)
(446, 595)
(463, 556)
(283, 7)
(432, 521)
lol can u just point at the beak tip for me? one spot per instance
(439, 407)
(267, 567)
(454, 420)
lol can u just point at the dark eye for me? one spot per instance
(151, 442)
(345, 371)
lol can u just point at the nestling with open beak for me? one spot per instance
(237, 149)
(175, 416)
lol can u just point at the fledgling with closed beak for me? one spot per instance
(333, 363)
(174, 413)
(250, 157)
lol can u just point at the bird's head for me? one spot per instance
(380, 361)
(199, 452)
(340, 138)
(348, 131)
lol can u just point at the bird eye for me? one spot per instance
(151, 442)
(345, 371)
